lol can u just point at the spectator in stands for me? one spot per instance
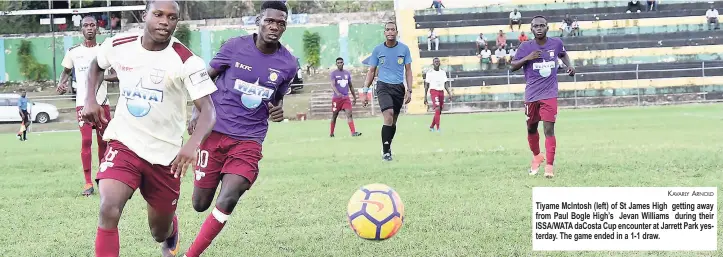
(437, 4)
(566, 26)
(712, 16)
(634, 6)
(515, 18)
(523, 37)
(485, 56)
(501, 40)
(513, 51)
(432, 38)
(481, 42)
(114, 21)
(575, 27)
(500, 54)
(652, 5)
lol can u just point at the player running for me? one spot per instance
(78, 59)
(539, 59)
(145, 148)
(252, 73)
(436, 83)
(395, 67)
(341, 85)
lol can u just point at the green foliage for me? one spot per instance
(183, 34)
(312, 49)
(29, 67)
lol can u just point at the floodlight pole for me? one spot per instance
(52, 30)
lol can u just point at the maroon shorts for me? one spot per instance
(157, 184)
(220, 154)
(542, 110)
(437, 98)
(86, 127)
(340, 103)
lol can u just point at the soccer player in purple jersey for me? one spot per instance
(341, 85)
(539, 60)
(252, 74)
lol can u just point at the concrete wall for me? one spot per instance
(354, 42)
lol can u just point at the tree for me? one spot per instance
(312, 50)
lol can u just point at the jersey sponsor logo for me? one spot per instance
(342, 83)
(199, 77)
(544, 68)
(252, 94)
(243, 66)
(138, 99)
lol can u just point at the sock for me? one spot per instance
(394, 132)
(86, 158)
(437, 117)
(387, 138)
(351, 126)
(209, 230)
(550, 145)
(333, 125)
(534, 141)
(107, 243)
(171, 240)
(25, 135)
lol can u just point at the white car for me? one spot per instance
(39, 112)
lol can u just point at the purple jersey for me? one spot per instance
(541, 74)
(248, 81)
(341, 79)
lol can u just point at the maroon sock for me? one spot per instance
(351, 126)
(209, 230)
(107, 243)
(438, 116)
(550, 145)
(87, 177)
(534, 141)
(333, 124)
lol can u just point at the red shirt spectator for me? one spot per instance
(501, 40)
(522, 37)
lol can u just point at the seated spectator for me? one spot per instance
(481, 42)
(566, 26)
(500, 54)
(437, 4)
(432, 38)
(576, 27)
(511, 54)
(522, 37)
(652, 5)
(515, 18)
(712, 16)
(501, 40)
(634, 6)
(485, 58)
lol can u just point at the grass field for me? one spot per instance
(466, 190)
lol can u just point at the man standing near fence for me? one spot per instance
(539, 59)
(395, 67)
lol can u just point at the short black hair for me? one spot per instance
(539, 16)
(339, 58)
(150, 2)
(390, 22)
(276, 5)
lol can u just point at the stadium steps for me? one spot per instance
(320, 106)
(583, 14)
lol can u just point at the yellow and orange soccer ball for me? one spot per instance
(375, 212)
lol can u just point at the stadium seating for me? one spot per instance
(662, 56)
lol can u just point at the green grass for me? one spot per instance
(466, 190)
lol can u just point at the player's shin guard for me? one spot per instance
(534, 141)
(550, 145)
(209, 230)
(86, 158)
(107, 243)
(387, 134)
(394, 132)
(351, 126)
(437, 117)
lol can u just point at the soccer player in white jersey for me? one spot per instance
(435, 83)
(145, 137)
(77, 60)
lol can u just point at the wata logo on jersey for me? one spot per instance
(252, 94)
(544, 68)
(138, 99)
(342, 82)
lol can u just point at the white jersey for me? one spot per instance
(150, 117)
(436, 79)
(78, 58)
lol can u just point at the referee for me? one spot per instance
(394, 62)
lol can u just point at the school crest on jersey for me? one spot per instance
(252, 94)
(400, 59)
(138, 99)
(381, 59)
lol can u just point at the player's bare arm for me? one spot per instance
(213, 74)
(92, 112)
(333, 87)
(516, 65)
(353, 93)
(205, 122)
(426, 92)
(112, 77)
(566, 60)
(368, 81)
(408, 86)
(448, 88)
(64, 78)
